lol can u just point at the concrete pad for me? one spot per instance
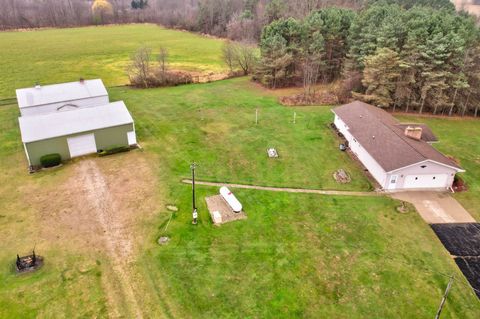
(436, 207)
(220, 211)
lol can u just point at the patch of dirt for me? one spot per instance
(341, 176)
(97, 209)
(322, 98)
(206, 77)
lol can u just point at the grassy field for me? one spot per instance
(296, 256)
(460, 138)
(61, 55)
(214, 125)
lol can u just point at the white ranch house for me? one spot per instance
(399, 156)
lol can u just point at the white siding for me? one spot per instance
(423, 170)
(368, 161)
(63, 106)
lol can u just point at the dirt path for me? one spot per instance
(435, 207)
(117, 242)
(97, 208)
(285, 189)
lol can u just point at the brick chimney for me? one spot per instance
(413, 132)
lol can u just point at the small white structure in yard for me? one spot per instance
(231, 199)
(399, 156)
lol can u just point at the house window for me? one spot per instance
(433, 177)
(416, 178)
(393, 179)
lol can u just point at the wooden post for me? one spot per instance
(445, 295)
(256, 116)
(294, 117)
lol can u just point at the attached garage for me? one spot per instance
(77, 132)
(425, 181)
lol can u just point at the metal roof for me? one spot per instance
(42, 127)
(64, 92)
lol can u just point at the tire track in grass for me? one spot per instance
(117, 242)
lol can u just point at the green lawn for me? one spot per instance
(61, 55)
(460, 138)
(214, 125)
(296, 256)
(306, 256)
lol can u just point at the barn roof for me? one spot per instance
(383, 137)
(42, 127)
(64, 92)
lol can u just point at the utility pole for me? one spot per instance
(194, 205)
(445, 295)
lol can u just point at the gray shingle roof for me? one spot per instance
(382, 136)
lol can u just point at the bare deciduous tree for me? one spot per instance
(240, 55)
(139, 69)
(228, 55)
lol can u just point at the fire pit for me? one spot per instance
(28, 263)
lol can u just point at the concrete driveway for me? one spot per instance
(435, 207)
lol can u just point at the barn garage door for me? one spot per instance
(81, 145)
(425, 181)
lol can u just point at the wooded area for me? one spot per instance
(412, 55)
(423, 59)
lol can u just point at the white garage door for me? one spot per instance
(81, 145)
(425, 181)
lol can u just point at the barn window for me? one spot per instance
(423, 166)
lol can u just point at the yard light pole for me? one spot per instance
(194, 206)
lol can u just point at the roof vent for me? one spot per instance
(413, 132)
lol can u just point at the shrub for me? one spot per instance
(50, 160)
(114, 149)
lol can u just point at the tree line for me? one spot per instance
(403, 57)
(236, 19)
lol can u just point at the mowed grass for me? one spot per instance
(214, 125)
(459, 138)
(295, 256)
(62, 55)
(305, 256)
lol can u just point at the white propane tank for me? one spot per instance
(231, 199)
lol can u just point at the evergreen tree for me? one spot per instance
(380, 77)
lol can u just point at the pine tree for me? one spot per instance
(380, 77)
